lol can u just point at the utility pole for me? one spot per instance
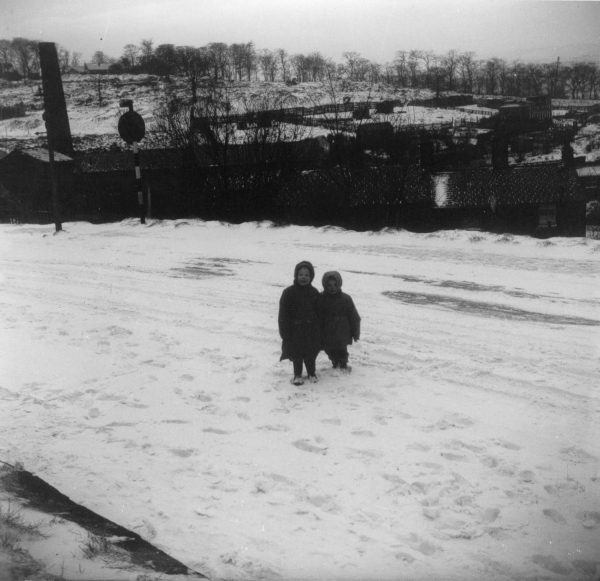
(132, 130)
(55, 198)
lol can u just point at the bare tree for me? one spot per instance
(193, 64)
(373, 72)
(147, 50)
(76, 59)
(268, 63)
(351, 65)
(413, 67)
(64, 58)
(388, 72)
(316, 66)
(130, 54)
(167, 59)
(284, 63)
(514, 81)
(491, 75)
(300, 66)
(99, 58)
(466, 70)
(401, 64)
(7, 54)
(236, 57)
(450, 62)
(25, 55)
(534, 79)
(249, 60)
(218, 53)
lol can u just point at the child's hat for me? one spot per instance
(305, 264)
(332, 274)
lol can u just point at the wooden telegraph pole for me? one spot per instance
(55, 198)
(132, 130)
(55, 117)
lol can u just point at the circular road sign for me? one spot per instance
(131, 127)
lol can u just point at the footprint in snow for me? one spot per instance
(306, 446)
(590, 519)
(215, 431)
(526, 476)
(274, 428)
(507, 445)
(454, 457)
(555, 516)
(363, 433)
(332, 421)
(564, 488)
(550, 563)
(578, 455)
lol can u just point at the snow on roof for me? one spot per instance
(588, 171)
(42, 155)
(476, 108)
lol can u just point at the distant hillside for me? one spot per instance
(568, 54)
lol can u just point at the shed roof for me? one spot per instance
(39, 155)
(124, 161)
(588, 171)
(540, 184)
(91, 67)
(306, 150)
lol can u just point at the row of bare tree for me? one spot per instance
(19, 58)
(453, 71)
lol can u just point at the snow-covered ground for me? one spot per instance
(140, 375)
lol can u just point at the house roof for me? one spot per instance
(39, 155)
(303, 151)
(588, 171)
(91, 67)
(540, 184)
(124, 161)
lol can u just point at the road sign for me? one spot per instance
(131, 127)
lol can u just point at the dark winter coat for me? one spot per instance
(340, 321)
(299, 320)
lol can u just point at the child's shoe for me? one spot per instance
(313, 379)
(345, 368)
(298, 380)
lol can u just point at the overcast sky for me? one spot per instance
(374, 28)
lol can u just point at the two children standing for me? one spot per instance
(310, 321)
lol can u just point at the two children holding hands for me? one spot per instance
(310, 321)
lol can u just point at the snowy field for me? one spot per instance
(140, 375)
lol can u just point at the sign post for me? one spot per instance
(132, 130)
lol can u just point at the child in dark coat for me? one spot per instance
(340, 321)
(299, 323)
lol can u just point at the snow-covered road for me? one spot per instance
(140, 375)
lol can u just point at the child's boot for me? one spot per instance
(344, 367)
(298, 380)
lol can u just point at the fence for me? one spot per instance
(18, 110)
(297, 114)
(592, 232)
